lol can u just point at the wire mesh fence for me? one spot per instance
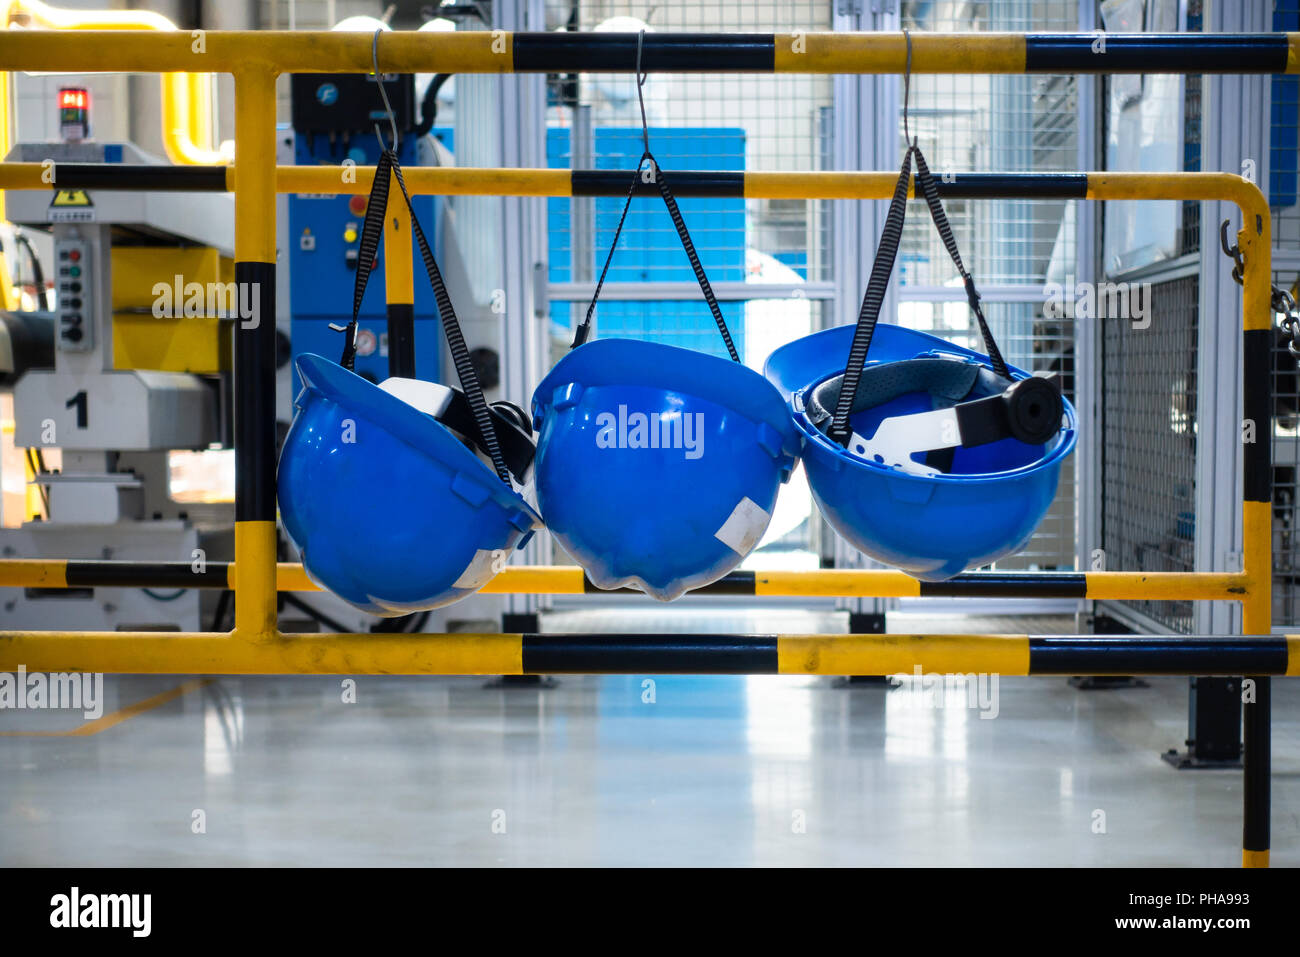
(1148, 416)
(1284, 148)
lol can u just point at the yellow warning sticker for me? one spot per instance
(71, 197)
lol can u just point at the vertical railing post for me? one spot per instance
(399, 286)
(255, 594)
(1255, 241)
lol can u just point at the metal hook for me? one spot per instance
(640, 82)
(1233, 251)
(1229, 249)
(388, 107)
(907, 90)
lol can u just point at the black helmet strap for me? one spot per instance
(883, 267)
(371, 233)
(882, 270)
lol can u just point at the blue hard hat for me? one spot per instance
(390, 508)
(887, 494)
(658, 467)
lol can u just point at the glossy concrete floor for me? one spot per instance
(615, 771)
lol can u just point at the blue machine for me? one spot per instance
(649, 249)
(324, 232)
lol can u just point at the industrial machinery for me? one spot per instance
(143, 308)
(334, 122)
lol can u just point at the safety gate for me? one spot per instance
(256, 646)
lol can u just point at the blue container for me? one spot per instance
(658, 467)
(931, 526)
(390, 510)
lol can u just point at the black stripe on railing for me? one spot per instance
(1156, 53)
(600, 182)
(1012, 185)
(401, 340)
(1257, 766)
(1130, 655)
(188, 179)
(255, 394)
(1257, 363)
(660, 53)
(92, 574)
(650, 654)
(1004, 585)
(733, 583)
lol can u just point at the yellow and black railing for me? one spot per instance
(502, 51)
(792, 654)
(571, 580)
(256, 646)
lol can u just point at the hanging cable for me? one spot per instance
(656, 172)
(882, 269)
(379, 80)
(371, 234)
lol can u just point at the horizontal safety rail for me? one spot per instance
(795, 654)
(487, 181)
(502, 51)
(571, 580)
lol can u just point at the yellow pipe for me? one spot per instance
(9, 296)
(838, 583)
(1255, 240)
(186, 97)
(484, 51)
(399, 284)
(902, 654)
(255, 574)
(199, 99)
(280, 51)
(33, 573)
(806, 52)
(440, 180)
(220, 654)
(485, 181)
(211, 653)
(253, 173)
(471, 654)
(1166, 586)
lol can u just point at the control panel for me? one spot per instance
(76, 292)
(324, 246)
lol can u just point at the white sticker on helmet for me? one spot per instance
(479, 572)
(744, 526)
(431, 398)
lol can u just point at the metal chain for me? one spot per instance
(1282, 302)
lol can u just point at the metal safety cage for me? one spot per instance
(256, 646)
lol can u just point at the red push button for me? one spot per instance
(357, 204)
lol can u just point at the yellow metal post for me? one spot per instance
(1255, 242)
(255, 594)
(399, 286)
